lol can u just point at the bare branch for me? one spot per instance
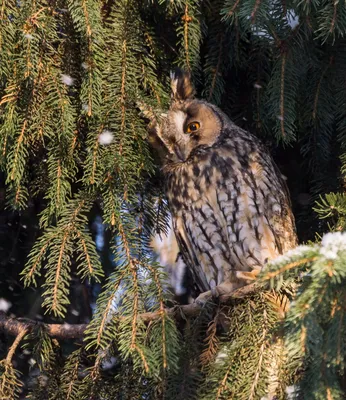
(13, 326)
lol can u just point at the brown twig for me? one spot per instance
(13, 326)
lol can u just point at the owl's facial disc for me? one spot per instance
(190, 124)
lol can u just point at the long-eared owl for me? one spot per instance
(230, 207)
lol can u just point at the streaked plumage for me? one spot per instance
(230, 207)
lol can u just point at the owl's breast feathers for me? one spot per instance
(231, 210)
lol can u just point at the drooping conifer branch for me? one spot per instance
(187, 19)
(211, 341)
(217, 67)
(21, 333)
(333, 21)
(9, 378)
(13, 326)
(282, 94)
(222, 384)
(317, 95)
(233, 9)
(254, 11)
(287, 267)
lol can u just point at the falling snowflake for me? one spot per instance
(106, 137)
(280, 117)
(257, 86)
(5, 305)
(221, 357)
(292, 19)
(108, 364)
(67, 79)
(85, 107)
(28, 36)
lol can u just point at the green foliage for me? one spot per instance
(250, 345)
(73, 145)
(10, 384)
(315, 323)
(332, 206)
(67, 239)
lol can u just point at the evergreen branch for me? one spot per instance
(332, 25)
(274, 34)
(187, 19)
(107, 310)
(254, 11)
(87, 22)
(261, 353)
(94, 157)
(142, 355)
(34, 263)
(314, 112)
(9, 383)
(287, 267)
(22, 332)
(223, 382)
(162, 312)
(55, 300)
(96, 146)
(282, 94)
(212, 341)
(17, 151)
(13, 326)
(217, 68)
(72, 380)
(134, 281)
(232, 10)
(135, 306)
(123, 95)
(87, 255)
(87, 18)
(190, 36)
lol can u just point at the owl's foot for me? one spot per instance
(224, 291)
(248, 276)
(214, 294)
(224, 288)
(204, 298)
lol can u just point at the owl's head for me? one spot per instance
(189, 123)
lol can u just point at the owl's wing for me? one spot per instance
(189, 253)
(204, 242)
(277, 208)
(287, 229)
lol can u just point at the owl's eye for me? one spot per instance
(193, 127)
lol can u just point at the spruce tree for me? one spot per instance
(89, 314)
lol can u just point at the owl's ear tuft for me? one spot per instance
(182, 88)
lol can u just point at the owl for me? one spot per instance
(229, 203)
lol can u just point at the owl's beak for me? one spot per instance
(181, 152)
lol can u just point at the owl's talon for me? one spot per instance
(215, 293)
(210, 296)
(204, 298)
